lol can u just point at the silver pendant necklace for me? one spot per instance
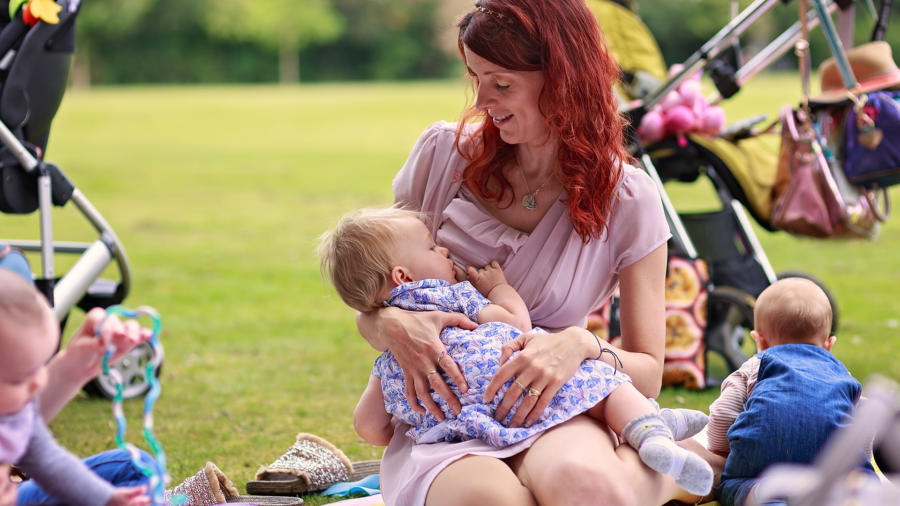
(529, 200)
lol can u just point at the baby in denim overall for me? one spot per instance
(784, 402)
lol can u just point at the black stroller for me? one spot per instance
(34, 68)
(740, 168)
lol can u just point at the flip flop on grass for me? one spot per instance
(311, 464)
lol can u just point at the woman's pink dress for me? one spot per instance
(560, 278)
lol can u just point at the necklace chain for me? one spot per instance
(529, 200)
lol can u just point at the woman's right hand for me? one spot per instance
(413, 338)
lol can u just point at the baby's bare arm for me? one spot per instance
(506, 304)
(370, 419)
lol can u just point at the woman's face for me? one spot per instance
(23, 370)
(510, 98)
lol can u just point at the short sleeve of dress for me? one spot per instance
(438, 295)
(469, 301)
(432, 174)
(638, 225)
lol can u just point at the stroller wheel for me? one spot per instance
(133, 368)
(729, 322)
(831, 299)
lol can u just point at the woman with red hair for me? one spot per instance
(535, 176)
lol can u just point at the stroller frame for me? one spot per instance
(34, 63)
(71, 288)
(731, 307)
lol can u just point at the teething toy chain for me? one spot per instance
(156, 468)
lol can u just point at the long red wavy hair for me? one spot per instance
(560, 38)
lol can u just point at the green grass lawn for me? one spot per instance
(219, 195)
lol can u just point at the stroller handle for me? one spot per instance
(96, 257)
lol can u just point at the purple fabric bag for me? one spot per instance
(872, 140)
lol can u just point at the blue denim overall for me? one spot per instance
(802, 395)
(114, 466)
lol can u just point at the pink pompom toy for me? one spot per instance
(681, 112)
(651, 128)
(711, 120)
(679, 120)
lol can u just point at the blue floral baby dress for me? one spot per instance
(477, 352)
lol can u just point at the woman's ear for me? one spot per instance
(400, 275)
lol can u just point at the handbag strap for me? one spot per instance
(882, 22)
(871, 197)
(820, 166)
(801, 49)
(788, 121)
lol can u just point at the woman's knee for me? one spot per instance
(574, 480)
(485, 493)
(478, 480)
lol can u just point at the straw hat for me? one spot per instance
(872, 64)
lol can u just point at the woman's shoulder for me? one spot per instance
(436, 143)
(636, 196)
(439, 131)
(433, 171)
(635, 183)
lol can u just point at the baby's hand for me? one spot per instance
(129, 496)
(459, 273)
(122, 335)
(486, 278)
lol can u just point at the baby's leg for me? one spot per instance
(636, 419)
(683, 423)
(621, 406)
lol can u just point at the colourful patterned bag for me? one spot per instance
(687, 286)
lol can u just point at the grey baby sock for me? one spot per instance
(684, 423)
(652, 438)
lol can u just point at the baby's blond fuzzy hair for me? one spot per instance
(357, 255)
(21, 306)
(793, 310)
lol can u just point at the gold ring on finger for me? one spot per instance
(433, 371)
(523, 387)
(533, 392)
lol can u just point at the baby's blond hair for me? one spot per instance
(357, 255)
(793, 311)
(21, 305)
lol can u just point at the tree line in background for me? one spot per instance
(203, 41)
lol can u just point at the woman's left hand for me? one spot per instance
(544, 364)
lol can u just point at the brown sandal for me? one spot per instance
(210, 486)
(311, 464)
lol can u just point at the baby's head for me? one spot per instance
(792, 311)
(373, 250)
(29, 335)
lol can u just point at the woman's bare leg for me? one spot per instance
(478, 480)
(578, 462)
